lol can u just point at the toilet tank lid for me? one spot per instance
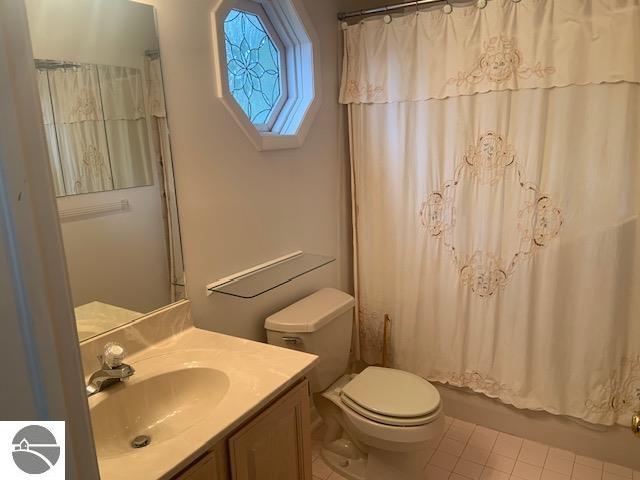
(310, 313)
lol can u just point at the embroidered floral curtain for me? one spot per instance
(126, 126)
(79, 121)
(50, 132)
(96, 127)
(508, 46)
(497, 209)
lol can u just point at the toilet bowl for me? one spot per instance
(378, 422)
(380, 436)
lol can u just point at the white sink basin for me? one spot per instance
(161, 405)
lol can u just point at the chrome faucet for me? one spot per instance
(113, 371)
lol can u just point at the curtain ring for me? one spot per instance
(447, 8)
(361, 16)
(481, 4)
(387, 18)
(417, 9)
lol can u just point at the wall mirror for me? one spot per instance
(100, 82)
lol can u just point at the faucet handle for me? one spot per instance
(114, 354)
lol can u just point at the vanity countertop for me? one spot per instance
(256, 374)
(97, 317)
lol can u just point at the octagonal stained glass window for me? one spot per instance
(254, 67)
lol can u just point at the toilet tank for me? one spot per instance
(320, 324)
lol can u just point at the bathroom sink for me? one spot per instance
(160, 406)
(190, 391)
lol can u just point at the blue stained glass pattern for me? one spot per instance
(253, 65)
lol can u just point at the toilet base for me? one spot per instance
(378, 465)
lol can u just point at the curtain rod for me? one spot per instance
(387, 8)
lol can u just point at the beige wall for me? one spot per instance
(117, 258)
(240, 207)
(350, 5)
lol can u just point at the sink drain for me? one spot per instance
(141, 441)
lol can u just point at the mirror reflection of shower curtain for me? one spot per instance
(125, 123)
(79, 121)
(96, 128)
(50, 132)
(160, 129)
(496, 189)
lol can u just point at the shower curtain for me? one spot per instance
(79, 124)
(496, 187)
(50, 132)
(126, 126)
(95, 126)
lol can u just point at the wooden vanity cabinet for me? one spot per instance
(274, 445)
(211, 466)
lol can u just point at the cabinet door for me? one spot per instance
(212, 466)
(277, 444)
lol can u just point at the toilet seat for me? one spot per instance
(392, 397)
(392, 421)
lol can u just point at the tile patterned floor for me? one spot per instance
(321, 471)
(471, 452)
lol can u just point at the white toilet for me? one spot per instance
(379, 421)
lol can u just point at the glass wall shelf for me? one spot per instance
(268, 277)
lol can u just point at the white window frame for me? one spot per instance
(290, 28)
